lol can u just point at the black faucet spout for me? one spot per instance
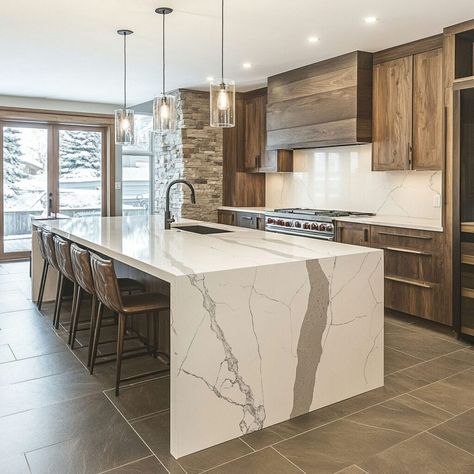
(168, 217)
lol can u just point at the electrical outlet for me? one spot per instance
(437, 200)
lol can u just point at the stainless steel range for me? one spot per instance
(315, 223)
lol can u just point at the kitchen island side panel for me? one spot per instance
(257, 346)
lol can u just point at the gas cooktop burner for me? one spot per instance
(320, 212)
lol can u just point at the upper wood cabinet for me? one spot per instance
(323, 104)
(256, 158)
(408, 113)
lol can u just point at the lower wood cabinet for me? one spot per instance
(249, 220)
(413, 264)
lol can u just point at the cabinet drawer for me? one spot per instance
(407, 239)
(226, 217)
(248, 220)
(413, 297)
(413, 264)
(354, 234)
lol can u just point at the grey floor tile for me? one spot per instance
(6, 354)
(143, 398)
(149, 465)
(395, 360)
(338, 445)
(45, 391)
(458, 431)
(155, 432)
(454, 394)
(417, 344)
(36, 367)
(262, 438)
(422, 454)
(12, 302)
(404, 414)
(83, 435)
(354, 469)
(267, 461)
(15, 465)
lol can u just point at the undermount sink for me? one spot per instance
(200, 229)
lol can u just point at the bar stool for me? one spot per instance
(50, 252)
(81, 267)
(63, 259)
(108, 293)
(44, 273)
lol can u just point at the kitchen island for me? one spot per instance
(263, 327)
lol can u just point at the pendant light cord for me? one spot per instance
(164, 57)
(222, 42)
(125, 71)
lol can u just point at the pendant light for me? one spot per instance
(222, 92)
(124, 118)
(164, 106)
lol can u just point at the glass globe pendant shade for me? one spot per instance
(124, 127)
(222, 104)
(164, 114)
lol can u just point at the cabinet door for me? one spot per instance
(226, 217)
(392, 114)
(254, 132)
(248, 220)
(355, 234)
(428, 110)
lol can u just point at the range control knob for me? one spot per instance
(322, 227)
(329, 228)
(288, 224)
(297, 224)
(280, 222)
(314, 226)
(307, 226)
(270, 221)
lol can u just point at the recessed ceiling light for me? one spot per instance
(370, 19)
(313, 39)
(209, 78)
(247, 65)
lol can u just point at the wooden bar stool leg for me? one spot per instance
(98, 324)
(44, 275)
(122, 322)
(94, 308)
(59, 297)
(75, 319)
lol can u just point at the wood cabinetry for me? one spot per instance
(408, 109)
(352, 233)
(256, 158)
(413, 264)
(323, 104)
(226, 217)
(249, 220)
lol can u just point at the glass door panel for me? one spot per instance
(25, 184)
(136, 200)
(80, 172)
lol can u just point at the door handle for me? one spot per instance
(50, 204)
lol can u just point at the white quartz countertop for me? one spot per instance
(141, 242)
(389, 221)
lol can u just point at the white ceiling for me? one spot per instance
(69, 50)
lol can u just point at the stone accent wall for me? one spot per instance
(193, 152)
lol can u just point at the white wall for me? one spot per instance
(341, 178)
(60, 105)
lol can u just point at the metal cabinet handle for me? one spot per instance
(246, 218)
(394, 234)
(366, 235)
(409, 282)
(402, 250)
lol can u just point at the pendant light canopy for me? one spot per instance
(164, 106)
(124, 118)
(222, 92)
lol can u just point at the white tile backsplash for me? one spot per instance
(342, 178)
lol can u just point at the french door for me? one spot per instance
(47, 170)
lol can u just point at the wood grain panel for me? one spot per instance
(408, 49)
(392, 114)
(353, 233)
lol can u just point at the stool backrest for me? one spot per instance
(39, 237)
(63, 257)
(49, 249)
(105, 283)
(81, 266)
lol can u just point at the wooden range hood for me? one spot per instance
(324, 104)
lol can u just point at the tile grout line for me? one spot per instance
(354, 464)
(448, 442)
(252, 448)
(126, 464)
(284, 457)
(428, 403)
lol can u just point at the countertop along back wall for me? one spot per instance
(341, 178)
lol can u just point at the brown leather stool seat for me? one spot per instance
(108, 293)
(81, 266)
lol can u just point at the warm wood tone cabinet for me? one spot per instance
(408, 128)
(413, 264)
(249, 220)
(323, 104)
(257, 159)
(226, 217)
(354, 234)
